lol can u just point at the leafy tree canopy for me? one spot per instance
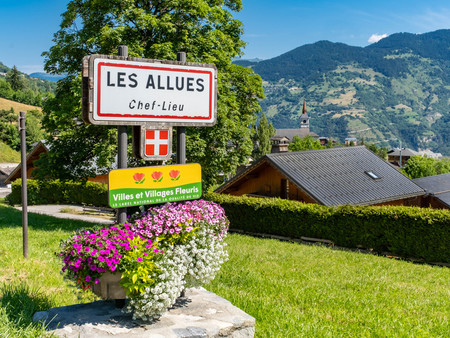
(305, 143)
(263, 132)
(422, 166)
(204, 29)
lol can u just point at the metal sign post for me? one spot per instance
(23, 151)
(181, 131)
(122, 145)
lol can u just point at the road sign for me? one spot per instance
(152, 144)
(150, 185)
(129, 91)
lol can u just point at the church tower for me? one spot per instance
(304, 118)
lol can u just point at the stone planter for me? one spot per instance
(108, 286)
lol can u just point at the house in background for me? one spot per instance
(279, 144)
(335, 176)
(35, 153)
(438, 190)
(6, 170)
(400, 156)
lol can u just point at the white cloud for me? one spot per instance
(376, 37)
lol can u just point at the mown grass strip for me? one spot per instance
(293, 290)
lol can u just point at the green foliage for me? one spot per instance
(381, 152)
(306, 143)
(137, 265)
(9, 133)
(407, 231)
(21, 88)
(261, 139)
(60, 192)
(422, 166)
(205, 30)
(14, 79)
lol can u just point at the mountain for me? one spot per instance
(395, 89)
(48, 77)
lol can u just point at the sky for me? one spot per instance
(271, 28)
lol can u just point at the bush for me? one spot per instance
(406, 231)
(57, 192)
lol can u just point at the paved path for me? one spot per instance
(4, 191)
(55, 211)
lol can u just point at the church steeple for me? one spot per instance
(304, 118)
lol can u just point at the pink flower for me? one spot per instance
(139, 259)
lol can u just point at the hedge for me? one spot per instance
(60, 192)
(420, 233)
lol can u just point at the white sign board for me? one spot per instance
(155, 92)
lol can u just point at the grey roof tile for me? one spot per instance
(337, 176)
(434, 184)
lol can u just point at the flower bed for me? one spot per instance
(158, 253)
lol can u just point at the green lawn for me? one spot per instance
(292, 290)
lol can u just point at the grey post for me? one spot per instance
(122, 145)
(23, 150)
(181, 131)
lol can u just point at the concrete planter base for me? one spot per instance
(199, 314)
(109, 287)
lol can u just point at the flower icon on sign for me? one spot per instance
(139, 178)
(174, 175)
(157, 176)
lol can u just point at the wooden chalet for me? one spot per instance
(35, 153)
(335, 176)
(438, 190)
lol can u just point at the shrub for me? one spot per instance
(56, 191)
(406, 231)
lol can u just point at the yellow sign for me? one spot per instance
(149, 185)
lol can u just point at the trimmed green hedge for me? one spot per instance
(405, 231)
(60, 192)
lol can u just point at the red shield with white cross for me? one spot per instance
(156, 142)
(152, 144)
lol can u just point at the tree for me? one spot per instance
(380, 152)
(261, 140)
(204, 29)
(15, 79)
(422, 166)
(305, 143)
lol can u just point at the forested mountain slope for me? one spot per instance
(396, 89)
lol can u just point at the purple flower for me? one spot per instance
(139, 259)
(88, 278)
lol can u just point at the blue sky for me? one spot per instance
(271, 27)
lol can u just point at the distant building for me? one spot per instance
(334, 176)
(400, 156)
(301, 132)
(5, 170)
(280, 144)
(351, 141)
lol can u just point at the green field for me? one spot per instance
(292, 290)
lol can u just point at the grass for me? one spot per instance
(8, 155)
(292, 290)
(308, 291)
(8, 104)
